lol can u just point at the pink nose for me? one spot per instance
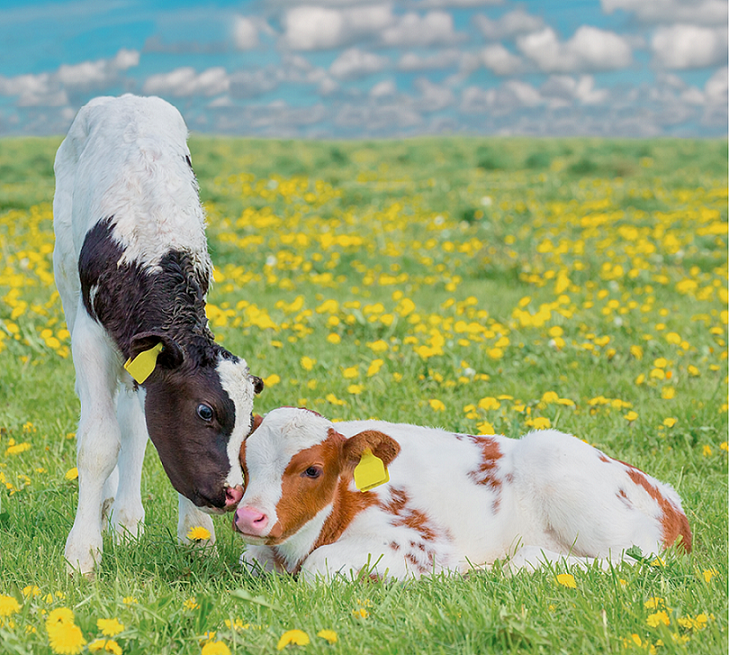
(233, 496)
(249, 520)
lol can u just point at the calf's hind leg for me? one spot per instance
(127, 517)
(97, 437)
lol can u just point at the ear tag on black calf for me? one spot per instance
(141, 367)
(370, 472)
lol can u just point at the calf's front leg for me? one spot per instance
(97, 438)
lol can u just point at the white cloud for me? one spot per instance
(501, 100)
(590, 49)
(433, 97)
(322, 28)
(252, 83)
(509, 25)
(705, 12)
(384, 89)
(683, 46)
(245, 33)
(716, 87)
(373, 119)
(186, 82)
(355, 63)
(434, 4)
(563, 90)
(499, 60)
(53, 89)
(434, 28)
(411, 61)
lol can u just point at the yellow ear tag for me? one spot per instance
(141, 367)
(370, 472)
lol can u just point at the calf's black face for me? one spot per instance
(197, 418)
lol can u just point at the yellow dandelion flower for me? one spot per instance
(360, 613)
(215, 648)
(670, 422)
(654, 603)
(724, 446)
(436, 405)
(331, 398)
(668, 392)
(130, 600)
(17, 448)
(271, 380)
(374, 367)
(106, 645)
(539, 423)
(706, 451)
(191, 604)
(31, 590)
(485, 428)
(307, 363)
(355, 389)
(661, 617)
(198, 533)
(709, 573)
(631, 416)
(379, 346)
(59, 616)
(109, 627)
(329, 635)
(350, 373)
(296, 637)
(8, 606)
(71, 474)
(567, 580)
(489, 403)
(334, 338)
(66, 639)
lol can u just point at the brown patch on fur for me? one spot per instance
(603, 457)
(674, 521)
(302, 497)
(407, 516)
(485, 474)
(347, 505)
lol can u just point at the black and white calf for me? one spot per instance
(132, 268)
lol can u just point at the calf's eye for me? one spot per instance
(312, 472)
(205, 412)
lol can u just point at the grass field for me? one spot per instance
(476, 284)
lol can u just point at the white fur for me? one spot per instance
(557, 499)
(234, 379)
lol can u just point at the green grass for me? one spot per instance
(517, 238)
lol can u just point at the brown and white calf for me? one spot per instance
(132, 269)
(453, 500)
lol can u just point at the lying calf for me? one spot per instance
(452, 500)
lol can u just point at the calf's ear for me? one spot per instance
(171, 355)
(381, 445)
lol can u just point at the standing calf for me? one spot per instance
(132, 268)
(453, 500)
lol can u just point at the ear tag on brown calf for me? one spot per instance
(370, 472)
(141, 367)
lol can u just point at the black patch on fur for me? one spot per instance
(128, 299)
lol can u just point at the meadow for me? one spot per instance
(481, 285)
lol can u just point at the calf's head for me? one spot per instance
(198, 411)
(293, 464)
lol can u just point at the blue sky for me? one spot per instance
(354, 69)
